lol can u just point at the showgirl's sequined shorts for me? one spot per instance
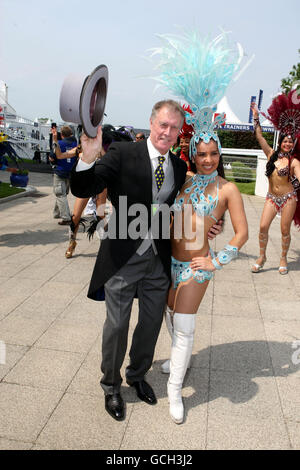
(181, 272)
(280, 201)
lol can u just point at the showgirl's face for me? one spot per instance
(164, 129)
(207, 157)
(287, 145)
(184, 145)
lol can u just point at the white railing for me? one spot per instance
(244, 162)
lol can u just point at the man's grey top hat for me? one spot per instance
(82, 99)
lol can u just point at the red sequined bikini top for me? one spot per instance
(283, 171)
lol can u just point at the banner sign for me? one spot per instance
(245, 127)
(252, 100)
(261, 93)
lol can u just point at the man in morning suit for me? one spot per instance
(146, 173)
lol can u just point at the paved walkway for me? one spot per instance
(242, 391)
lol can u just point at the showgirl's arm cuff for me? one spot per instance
(224, 256)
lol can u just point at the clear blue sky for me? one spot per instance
(41, 42)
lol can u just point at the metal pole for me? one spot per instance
(275, 141)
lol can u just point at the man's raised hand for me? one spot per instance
(91, 147)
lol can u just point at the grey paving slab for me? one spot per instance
(79, 423)
(25, 411)
(13, 354)
(242, 357)
(288, 389)
(246, 307)
(244, 395)
(284, 346)
(232, 329)
(241, 391)
(146, 430)
(9, 444)
(66, 337)
(87, 378)
(45, 368)
(17, 329)
(231, 432)
(294, 433)
(284, 309)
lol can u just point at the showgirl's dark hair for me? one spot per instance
(271, 163)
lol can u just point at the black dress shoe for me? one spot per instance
(144, 391)
(114, 405)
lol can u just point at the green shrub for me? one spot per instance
(241, 172)
(242, 139)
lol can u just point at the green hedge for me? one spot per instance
(242, 139)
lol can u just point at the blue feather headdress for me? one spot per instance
(199, 70)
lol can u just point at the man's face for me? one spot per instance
(164, 129)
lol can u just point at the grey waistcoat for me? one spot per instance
(158, 197)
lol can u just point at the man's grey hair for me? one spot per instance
(171, 105)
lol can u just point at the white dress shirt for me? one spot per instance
(153, 154)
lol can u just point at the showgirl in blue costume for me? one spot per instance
(198, 71)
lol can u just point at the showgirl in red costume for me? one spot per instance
(185, 136)
(283, 172)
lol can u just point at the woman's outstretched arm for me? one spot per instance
(268, 151)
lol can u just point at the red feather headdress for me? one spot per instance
(284, 113)
(187, 130)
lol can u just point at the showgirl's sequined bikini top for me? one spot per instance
(202, 206)
(286, 170)
(283, 171)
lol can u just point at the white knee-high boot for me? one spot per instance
(181, 351)
(165, 367)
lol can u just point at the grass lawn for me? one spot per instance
(246, 188)
(20, 160)
(7, 190)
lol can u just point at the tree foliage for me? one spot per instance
(293, 77)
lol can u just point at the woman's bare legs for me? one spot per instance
(287, 215)
(185, 303)
(187, 297)
(267, 217)
(78, 208)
